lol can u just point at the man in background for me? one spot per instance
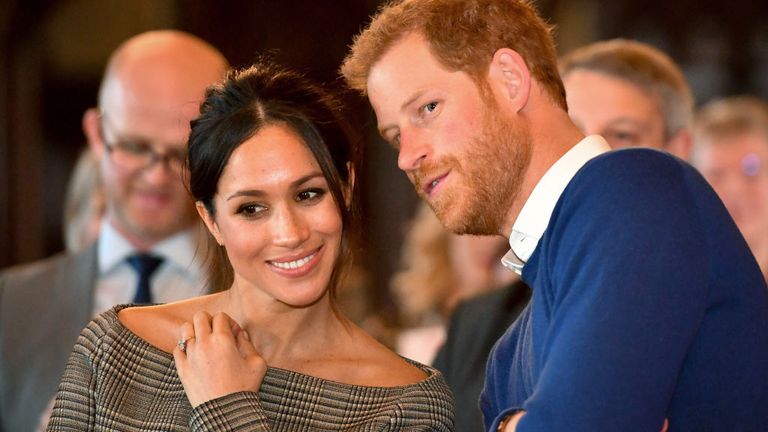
(149, 248)
(731, 151)
(633, 95)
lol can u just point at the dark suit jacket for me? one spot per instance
(475, 326)
(43, 308)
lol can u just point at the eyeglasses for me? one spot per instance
(139, 155)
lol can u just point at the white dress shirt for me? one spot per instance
(180, 275)
(537, 210)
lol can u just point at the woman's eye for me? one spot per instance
(310, 195)
(250, 209)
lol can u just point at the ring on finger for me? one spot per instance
(183, 343)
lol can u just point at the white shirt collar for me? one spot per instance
(535, 214)
(180, 249)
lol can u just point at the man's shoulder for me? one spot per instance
(31, 269)
(645, 160)
(638, 173)
(61, 262)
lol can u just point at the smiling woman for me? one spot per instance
(277, 218)
(272, 169)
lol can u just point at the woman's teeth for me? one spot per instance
(293, 264)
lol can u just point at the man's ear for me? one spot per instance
(209, 222)
(680, 144)
(92, 130)
(510, 79)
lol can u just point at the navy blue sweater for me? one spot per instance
(647, 304)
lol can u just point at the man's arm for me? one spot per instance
(510, 424)
(624, 292)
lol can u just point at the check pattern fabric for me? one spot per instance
(115, 380)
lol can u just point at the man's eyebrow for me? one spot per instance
(622, 121)
(412, 99)
(383, 130)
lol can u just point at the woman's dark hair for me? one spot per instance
(262, 95)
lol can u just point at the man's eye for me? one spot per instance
(622, 139)
(626, 136)
(133, 147)
(430, 107)
(178, 156)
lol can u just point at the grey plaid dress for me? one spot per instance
(116, 381)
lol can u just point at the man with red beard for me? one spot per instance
(148, 249)
(648, 309)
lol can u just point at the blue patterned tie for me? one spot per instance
(144, 265)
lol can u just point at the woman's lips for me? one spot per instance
(298, 265)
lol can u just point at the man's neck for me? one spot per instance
(142, 243)
(552, 137)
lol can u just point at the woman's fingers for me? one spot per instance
(202, 325)
(234, 326)
(186, 337)
(219, 360)
(244, 345)
(223, 324)
(186, 331)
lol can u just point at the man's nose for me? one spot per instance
(414, 150)
(161, 169)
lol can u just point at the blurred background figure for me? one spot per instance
(149, 246)
(631, 93)
(474, 327)
(731, 151)
(84, 203)
(439, 269)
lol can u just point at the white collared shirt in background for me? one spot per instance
(180, 275)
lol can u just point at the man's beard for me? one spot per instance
(493, 168)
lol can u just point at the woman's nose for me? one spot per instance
(289, 228)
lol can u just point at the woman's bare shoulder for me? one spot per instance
(382, 367)
(159, 324)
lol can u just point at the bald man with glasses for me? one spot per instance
(148, 250)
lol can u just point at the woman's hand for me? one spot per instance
(216, 359)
